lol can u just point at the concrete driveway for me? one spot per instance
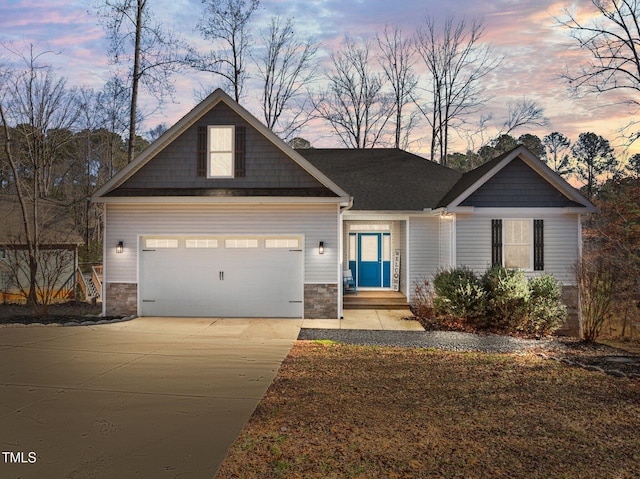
(148, 398)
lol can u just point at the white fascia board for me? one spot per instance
(218, 200)
(524, 212)
(461, 209)
(356, 215)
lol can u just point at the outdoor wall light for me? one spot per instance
(321, 247)
(120, 247)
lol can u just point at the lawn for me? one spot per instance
(338, 411)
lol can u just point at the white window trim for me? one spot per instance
(530, 269)
(233, 150)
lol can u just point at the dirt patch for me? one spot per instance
(621, 357)
(340, 411)
(68, 312)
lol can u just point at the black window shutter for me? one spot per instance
(496, 242)
(201, 155)
(538, 245)
(241, 134)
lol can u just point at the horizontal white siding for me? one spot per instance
(561, 242)
(424, 257)
(314, 222)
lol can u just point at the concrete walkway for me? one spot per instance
(149, 398)
(369, 319)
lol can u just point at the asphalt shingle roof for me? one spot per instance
(469, 178)
(385, 179)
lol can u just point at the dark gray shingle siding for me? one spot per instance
(266, 165)
(517, 185)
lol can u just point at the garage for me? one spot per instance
(221, 276)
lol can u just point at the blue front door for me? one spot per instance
(374, 265)
(369, 260)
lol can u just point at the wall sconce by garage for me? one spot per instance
(120, 247)
(321, 247)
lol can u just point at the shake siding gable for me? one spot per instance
(517, 185)
(179, 165)
(315, 222)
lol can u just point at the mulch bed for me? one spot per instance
(63, 313)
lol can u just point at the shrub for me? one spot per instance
(509, 294)
(459, 292)
(596, 281)
(422, 304)
(546, 311)
(504, 300)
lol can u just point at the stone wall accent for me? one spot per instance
(121, 299)
(572, 326)
(321, 301)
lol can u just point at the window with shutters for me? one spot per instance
(518, 244)
(221, 151)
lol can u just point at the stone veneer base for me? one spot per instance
(121, 299)
(572, 326)
(320, 301)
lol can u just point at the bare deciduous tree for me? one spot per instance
(524, 112)
(285, 68)
(457, 61)
(37, 113)
(226, 24)
(354, 103)
(397, 61)
(151, 52)
(557, 146)
(612, 41)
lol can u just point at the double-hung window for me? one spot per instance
(221, 151)
(518, 244)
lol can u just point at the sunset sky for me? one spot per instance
(525, 32)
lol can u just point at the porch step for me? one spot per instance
(375, 300)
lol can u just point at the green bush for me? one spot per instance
(546, 312)
(459, 292)
(502, 300)
(509, 293)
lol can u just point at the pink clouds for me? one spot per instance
(535, 49)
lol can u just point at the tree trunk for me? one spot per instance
(135, 81)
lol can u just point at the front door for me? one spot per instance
(374, 265)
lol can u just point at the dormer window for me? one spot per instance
(221, 151)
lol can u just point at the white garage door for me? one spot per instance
(221, 276)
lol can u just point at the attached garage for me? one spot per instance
(220, 218)
(221, 276)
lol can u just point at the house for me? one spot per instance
(219, 217)
(57, 256)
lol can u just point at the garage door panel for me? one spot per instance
(221, 282)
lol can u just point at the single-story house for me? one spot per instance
(58, 250)
(220, 217)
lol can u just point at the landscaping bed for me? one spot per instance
(340, 411)
(69, 312)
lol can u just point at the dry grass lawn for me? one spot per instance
(338, 411)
